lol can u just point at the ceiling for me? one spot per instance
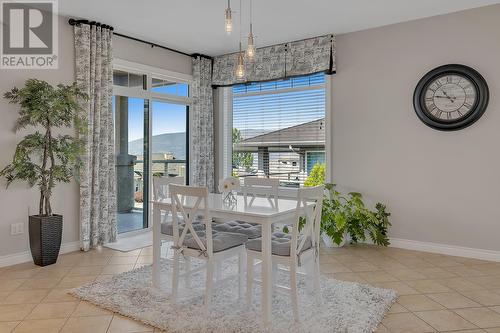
(197, 26)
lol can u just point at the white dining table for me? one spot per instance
(259, 210)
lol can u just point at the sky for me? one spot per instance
(167, 118)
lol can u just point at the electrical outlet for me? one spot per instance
(16, 229)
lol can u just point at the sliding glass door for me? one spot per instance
(151, 139)
(131, 149)
(169, 141)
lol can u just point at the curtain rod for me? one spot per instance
(72, 21)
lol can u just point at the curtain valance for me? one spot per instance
(280, 61)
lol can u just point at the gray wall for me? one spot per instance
(440, 187)
(127, 49)
(18, 200)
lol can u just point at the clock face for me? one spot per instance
(450, 97)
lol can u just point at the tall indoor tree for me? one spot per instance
(43, 158)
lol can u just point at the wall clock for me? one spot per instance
(451, 97)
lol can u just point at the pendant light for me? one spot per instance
(240, 67)
(251, 40)
(229, 18)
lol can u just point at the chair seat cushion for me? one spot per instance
(167, 228)
(280, 244)
(250, 230)
(221, 240)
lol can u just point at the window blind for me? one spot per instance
(278, 128)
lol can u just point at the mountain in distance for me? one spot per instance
(174, 143)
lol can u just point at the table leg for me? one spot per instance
(266, 274)
(156, 245)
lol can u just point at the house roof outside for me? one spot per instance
(299, 137)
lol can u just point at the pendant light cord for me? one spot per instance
(241, 9)
(251, 16)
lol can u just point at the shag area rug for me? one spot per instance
(346, 307)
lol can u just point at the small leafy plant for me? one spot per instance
(348, 215)
(317, 175)
(43, 158)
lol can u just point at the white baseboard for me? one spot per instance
(22, 257)
(408, 244)
(453, 250)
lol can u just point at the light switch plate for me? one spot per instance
(16, 229)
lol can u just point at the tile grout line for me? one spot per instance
(475, 327)
(109, 325)
(67, 318)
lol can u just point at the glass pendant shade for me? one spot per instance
(251, 39)
(240, 68)
(229, 20)
(250, 46)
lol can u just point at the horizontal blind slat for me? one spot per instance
(289, 125)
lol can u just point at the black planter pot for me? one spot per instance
(45, 238)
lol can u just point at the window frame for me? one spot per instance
(150, 72)
(225, 124)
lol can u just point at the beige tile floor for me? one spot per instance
(437, 293)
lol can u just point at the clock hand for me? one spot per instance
(444, 92)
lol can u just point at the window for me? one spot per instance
(129, 80)
(151, 112)
(278, 128)
(168, 87)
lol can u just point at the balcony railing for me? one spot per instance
(287, 178)
(163, 167)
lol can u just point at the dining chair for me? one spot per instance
(256, 186)
(295, 248)
(161, 191)
(160, 185)
(207, 244)
(253, 187)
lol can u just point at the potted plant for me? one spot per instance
(333, 218)
(43, 158)
(347, 217)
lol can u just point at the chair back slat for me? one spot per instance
(263, 187)
(190, 202)
(160, 186)
(309, 206)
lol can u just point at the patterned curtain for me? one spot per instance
(301, 57)
(202, 153)
(94, 73)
